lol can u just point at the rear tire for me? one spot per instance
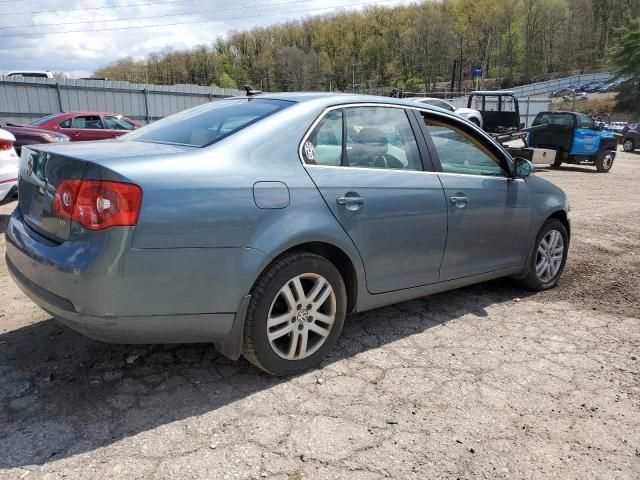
(604, 161)
(295, 315)
(548, 257)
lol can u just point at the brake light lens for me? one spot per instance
(6, 145)
(98, 204)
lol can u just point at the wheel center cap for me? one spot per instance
(303, 315)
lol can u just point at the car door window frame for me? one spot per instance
(418, 134)
(73, 122)
(486, 142)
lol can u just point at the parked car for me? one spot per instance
(83, 126)
(563, 92)
(611, 86)
(258, 223)
(594, 87)
(631, 137)
(30, 74)
(470, 114)
(616, 127)
(8, 167)
(579, 96)
(575, 138)
(34, 136)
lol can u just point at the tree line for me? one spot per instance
(513, 41)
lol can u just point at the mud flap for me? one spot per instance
(231, 345)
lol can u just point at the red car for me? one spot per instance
(82, 126)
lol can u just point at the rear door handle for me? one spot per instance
(459, 201)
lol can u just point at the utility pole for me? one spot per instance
(353, 77)
(460, 68)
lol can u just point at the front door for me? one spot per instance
(489, 212)
(367, 165)
(586, 139)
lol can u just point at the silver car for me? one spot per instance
(470, 114)
(259, 223)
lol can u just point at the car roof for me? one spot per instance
(332, 99)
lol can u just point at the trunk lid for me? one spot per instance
(42, 168)
(40, 173)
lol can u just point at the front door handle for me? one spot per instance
(350, 200)
(459, 201)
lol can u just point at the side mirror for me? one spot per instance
(524, 167)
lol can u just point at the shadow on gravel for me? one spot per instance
(62, 394)
(4, 220)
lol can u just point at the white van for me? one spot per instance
(30, 74)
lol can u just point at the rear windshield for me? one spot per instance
(43, 120)
(559, 119)
(204, 125)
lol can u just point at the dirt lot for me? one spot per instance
(484, 382)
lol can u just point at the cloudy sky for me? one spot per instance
(78, 36)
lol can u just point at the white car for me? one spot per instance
(470, 114)
(8, 167)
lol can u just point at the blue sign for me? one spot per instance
(476, 72)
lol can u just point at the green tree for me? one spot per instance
(624, 59)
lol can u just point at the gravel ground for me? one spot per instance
(488, 381)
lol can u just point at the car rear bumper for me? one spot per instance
(8, 191)
(133, 296)
(130, 329)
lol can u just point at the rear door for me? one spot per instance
(368, 165)
(489, 213)
(87, 127)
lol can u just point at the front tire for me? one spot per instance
(627, 145)
(549, 256)
(295, 315)
(604, 161)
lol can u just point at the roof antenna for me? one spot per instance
(251, 91)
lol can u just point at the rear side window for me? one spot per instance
(364, 137)
(204, 125)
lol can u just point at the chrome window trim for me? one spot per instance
(444, 114)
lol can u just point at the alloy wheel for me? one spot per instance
(627, 146)
(549, 256)
(301, 316)
(607, 161)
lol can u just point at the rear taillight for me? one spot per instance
(6, 145)
(98, 204)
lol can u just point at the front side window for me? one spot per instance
(585, 122)
(207, 124)
(90, 122)
(118, 123)
(459, 152)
